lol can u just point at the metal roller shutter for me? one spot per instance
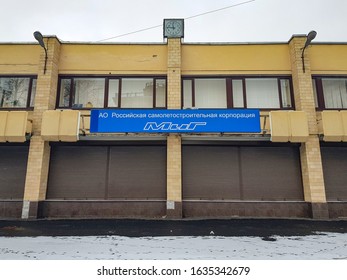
(77, 172)
(107, 172)
(334, 160)
(242, 173)
(137, 172)
(210, 172)
(13, 167)
(271, 173)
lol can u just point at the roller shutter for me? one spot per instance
(242, 173)
(334, 160)
(271, 173)
(107, 172)
(77, 172)
(210, 172)
(137, 172)
(13, 166)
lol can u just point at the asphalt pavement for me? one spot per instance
(264, 228)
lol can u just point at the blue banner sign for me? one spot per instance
(174, 121)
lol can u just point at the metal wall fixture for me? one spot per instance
(310, 36)
(39, 38)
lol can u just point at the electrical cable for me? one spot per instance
(187, 18)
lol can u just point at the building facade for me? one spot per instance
(53, 166)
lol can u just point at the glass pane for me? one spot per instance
(335, 93)
(14, 92)
(33, 93)
(137, 93)
(160, 92)
(238, 94)
(210, 93)
(285, 91)
(113, 91)
(187, 94)
(262, 93)
(88, 93)
(315, 96)
(64, 96)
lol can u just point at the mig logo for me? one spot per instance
(170, 126)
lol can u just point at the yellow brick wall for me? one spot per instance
(19, 59)
(302, 82)
(311, 163)
(312, 171)
(122, 59)
(174, 74)
(174, 168)
(235, 59)
(174, 180)
(37, 170)
(39, 151)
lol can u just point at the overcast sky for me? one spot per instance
(94, 20)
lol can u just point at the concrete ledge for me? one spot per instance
(337, 209)
(174, 212)
(102, 209)
(227, 209)
(11, 209)
(319, 211)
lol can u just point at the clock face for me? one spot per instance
(173, 28)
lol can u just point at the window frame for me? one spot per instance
(229, 90)
(317, 79)
(28, 106)
(106, 90)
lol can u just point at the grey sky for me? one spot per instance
(94, 20)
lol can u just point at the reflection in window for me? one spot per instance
(285, 92)
(335, 92)
(88, 92)
(113, 92)
(315, 93)
(262, 93)
(64, 96)
(137, 93)
(33, 92)
(187, 94)
(238, 94)
(160, 93)
(14, 92)
(210, 93)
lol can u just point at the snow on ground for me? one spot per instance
(323, 246)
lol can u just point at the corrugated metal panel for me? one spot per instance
(137, 172)
(107, 172)
(77, 172)
(13, 166)
(242, 173)
(271, 173)
(334, 160)
(210, 172)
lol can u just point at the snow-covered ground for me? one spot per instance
(321, 246)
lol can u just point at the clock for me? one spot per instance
(173, 28)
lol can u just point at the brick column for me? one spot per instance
(39, 152)
(311, 162)
(174, 157)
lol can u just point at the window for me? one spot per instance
(137, 93)
(210, 93)
(88, 92)
(112, 92)
(237, 92)
(330, 93)
(17, 92)
(262, 93)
